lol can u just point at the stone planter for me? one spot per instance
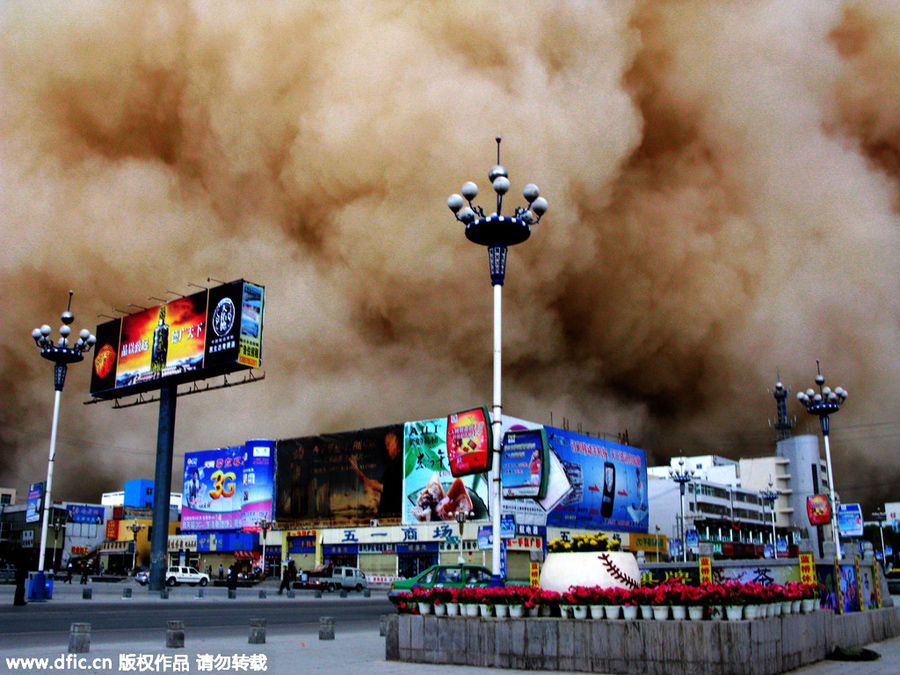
(695, 613)
(607, 569)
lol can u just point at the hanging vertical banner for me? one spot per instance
(35, 502)
(469, 442)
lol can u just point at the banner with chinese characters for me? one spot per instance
(210, 496)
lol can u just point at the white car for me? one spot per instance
(185, 575)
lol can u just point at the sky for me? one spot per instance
(723, 182)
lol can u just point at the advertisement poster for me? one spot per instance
(209, 333)
(430, 491)
(470, 447)
(850, 520)
(818, 510)
(609, 483)
(211, 499)
(83, 513)
(523, 464)
(35, 502)
(344, 478)
(257, 484)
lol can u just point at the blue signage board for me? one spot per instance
(850, 520)
(35, 503)
(523, 464)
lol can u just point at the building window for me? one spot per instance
(6, 498)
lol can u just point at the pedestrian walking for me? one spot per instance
(287, 578)
(21, 576)
(69, 568)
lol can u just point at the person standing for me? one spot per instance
(287, 579)
(21, 576)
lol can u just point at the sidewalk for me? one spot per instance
(353, 652)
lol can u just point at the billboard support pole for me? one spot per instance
(165, 442)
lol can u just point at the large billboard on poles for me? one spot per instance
(213, 332)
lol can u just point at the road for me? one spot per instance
(115, 619)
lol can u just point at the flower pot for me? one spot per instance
(452, 609)
(795, 606)
(440, 610)
(734, 612)
(695, 612)
(751, 612)
(660, 612)
(579, 611)
(424, 608)
(629, 612)
(534, 611)
(546, 610)
(786, 607)
(607, 569)
(613, 612)
(516, 611)
(502, 610)
(597, 611)
(716, 612)
(471, 610)
(486, 610)
(807, 606)
(646, 611)
(679, 612)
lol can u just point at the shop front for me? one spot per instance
(116, 556)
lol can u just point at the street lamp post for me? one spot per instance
(135, 527)
(497, 233)
(823, 404)
(61, 354)
(879, 517)
(461, 517)
(657, 543)
(770, 496)
(57, 526)
(682, 477)
(264, 525)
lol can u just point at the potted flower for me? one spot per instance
(643, 598)
(734, 600)
(621, 603)
(588, 560)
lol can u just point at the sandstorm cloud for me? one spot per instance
(723, 188)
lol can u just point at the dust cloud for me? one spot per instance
(723, 180)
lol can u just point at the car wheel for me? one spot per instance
(170, 581)
(203, 582)
(330, 588)
(359, 588)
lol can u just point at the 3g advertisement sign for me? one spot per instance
(211, 499)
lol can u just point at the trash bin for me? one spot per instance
(48, 585)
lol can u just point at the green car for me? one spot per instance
(450, 576)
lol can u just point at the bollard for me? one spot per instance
(174, 634)
(164, 593)
(290, 593)
(367, 593)
(199, 592)
(257, 632)
(87, 593)
(262, 595)
(318, 593)
(126, 594)
(382, 625)
(343, 593)
(80, 638)
(326, 628)
(232, 594)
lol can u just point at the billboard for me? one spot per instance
(430, 491)
(210, 499)
(343, 478)
(213, 332)
(228, 489)
(469, 442)
(818, 509)
(608, 480)
(850, 520)
(524, 464)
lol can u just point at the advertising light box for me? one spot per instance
(469, 442)
(213, 332)
(818, 510)
(523, 464)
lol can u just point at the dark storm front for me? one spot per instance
(349, 477)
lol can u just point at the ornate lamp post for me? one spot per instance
(135, 527)
(682, 477)
(497, 233)
(61, 354)
(461, 517)
(57, 525)
(823, 404)
(264, 525)
(657, 544)
(770, 496)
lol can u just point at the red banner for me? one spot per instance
(818, 510)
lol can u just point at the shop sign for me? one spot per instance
(377, 548)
